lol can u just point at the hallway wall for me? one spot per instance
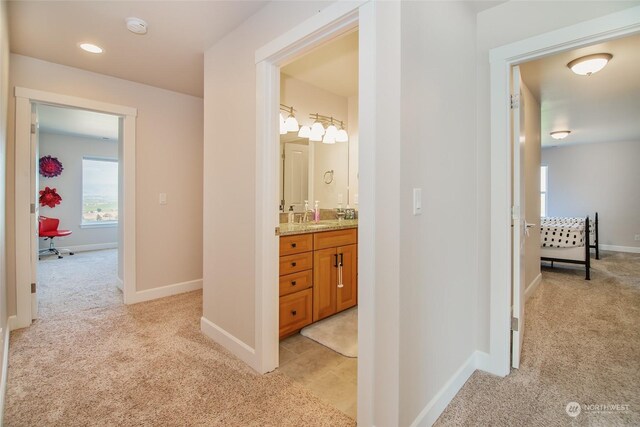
(168, 160)
(4, 99)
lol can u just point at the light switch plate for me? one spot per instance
(417, 201)
(163, 198)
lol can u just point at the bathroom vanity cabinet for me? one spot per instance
(318, 277)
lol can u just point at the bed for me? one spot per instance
(569, 240)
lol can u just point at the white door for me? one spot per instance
(518, 219)
(296, 175)
(35, 208)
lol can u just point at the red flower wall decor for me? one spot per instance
(49, 197)
(50, 166)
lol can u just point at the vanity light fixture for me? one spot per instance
(304, 132)
(290, 124)
(91, 48)
(590, 64)
(331, 132)
(560, 134)
(317, 129)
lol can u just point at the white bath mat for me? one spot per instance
(338, 332)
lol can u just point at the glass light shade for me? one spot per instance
(590, 64)
(329, 139)
(342, 136)
(304, 132)
(331, 130)
(560, 134)
(317, 128)
(291, 124)
(283, 129)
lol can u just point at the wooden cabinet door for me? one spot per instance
(324, 283)
(347, 295)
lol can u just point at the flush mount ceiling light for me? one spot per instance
(560, 134)
(136, 25)
(590, 64)
(92, 48)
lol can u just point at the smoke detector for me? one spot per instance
(136, 25)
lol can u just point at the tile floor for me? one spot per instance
(329, 375)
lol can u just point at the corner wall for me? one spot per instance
(610, 187)
(438, 258)
(168, 160)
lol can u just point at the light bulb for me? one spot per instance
(317, 128)
(342, 136)
(291, 124)
(304, 132)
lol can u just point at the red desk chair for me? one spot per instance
(48, 228)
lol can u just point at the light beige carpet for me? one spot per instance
(77, 282)
(146, 364)
(338, 332)
(582, 344)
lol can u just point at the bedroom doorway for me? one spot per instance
(27, 163)
(77, 187)
(599, 30)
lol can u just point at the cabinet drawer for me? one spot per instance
(295, 311)
(296, 282)
(296, 244)
(294, 263)
(332, 239)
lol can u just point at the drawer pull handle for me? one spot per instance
(293, 245)
(293, 283)
(293, 312)
(293, 264)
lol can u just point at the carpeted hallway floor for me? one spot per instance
(91, 361)
(582, 344)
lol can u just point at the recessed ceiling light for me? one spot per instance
(89, 47)
(560, 134)
(136, 25)
(587, 65)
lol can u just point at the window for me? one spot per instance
(99, 191)
(543, 190)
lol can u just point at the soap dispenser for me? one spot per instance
(316, 211)
(291, 215)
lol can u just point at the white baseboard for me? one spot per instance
(236, 346)
(85, 248)
(120, 284)
(531, 288)
(5, 368)
(165, 291)
(630, 249)
(437, 405)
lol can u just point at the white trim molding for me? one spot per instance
(438, 404)
(165, 291)
(502, 59)
(24, 99)
(614, 248)
(228, 341)
(531, 287)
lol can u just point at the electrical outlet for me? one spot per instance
(637, 238)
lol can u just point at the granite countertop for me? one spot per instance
(287, 229)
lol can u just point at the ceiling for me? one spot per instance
(603, 107)
(332, 66)
(71, 121)
(169, 56)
